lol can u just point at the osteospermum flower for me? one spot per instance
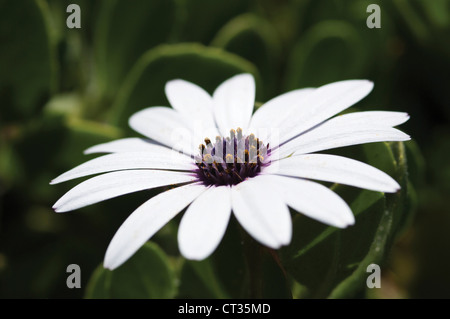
(253, 166)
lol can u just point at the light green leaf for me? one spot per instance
(147, 274)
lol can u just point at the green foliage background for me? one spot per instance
(63, 90)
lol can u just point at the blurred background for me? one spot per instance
(63, 90)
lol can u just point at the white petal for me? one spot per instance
(233, 103)
(381, 118)
(313, 200)
(132, 144)
(348, 129)
(145, 221)
(129, 160)
(336, 169)
(323, 103)
(195, 104)
(166, 126)
(204, 223)
(115, 184)
(274, 113)
(260, 209)
(325, 138)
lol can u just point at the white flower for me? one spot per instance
(255, 178)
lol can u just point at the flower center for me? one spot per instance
(230, 160)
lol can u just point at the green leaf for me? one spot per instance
(59, 143)
(99, 284)
(265, 277)
(199, 280)
(254, 39)
(395, 216)
(10, 170)
(333, 262)
(239, 268)
(206, 67)
(82, 134)
(27, 58)
(416, 163)
(147, 274)
(198, 20)
(328, 52)
(124, 33)
(381, 156)
(319, 256)
(438, 12)
(274, 279)
(427, 20)
(229, 262)
(400, 203)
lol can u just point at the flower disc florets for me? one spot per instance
(231, 160)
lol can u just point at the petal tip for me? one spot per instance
(369, 82)
(345, 223)
(173, 81)
(370, 85)
(112, 262)
(194, 257)
(350, 222)
(57, 209)
(394, 188)
(108, 263)
(108, 266)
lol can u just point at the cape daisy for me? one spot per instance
(251, 165)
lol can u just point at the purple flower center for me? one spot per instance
(231, 160)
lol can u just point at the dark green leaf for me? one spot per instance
(147, 274)
(333, 262)
(199, 280)
(395, 216)
(239, 268)
(328, 52)
(206, 67)
(200, 19)
(229, 262)
(317, 252)
(27, 58)
(416, 163)
(254, 39)
(60, 143)
(99, 286)
(125, 32)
